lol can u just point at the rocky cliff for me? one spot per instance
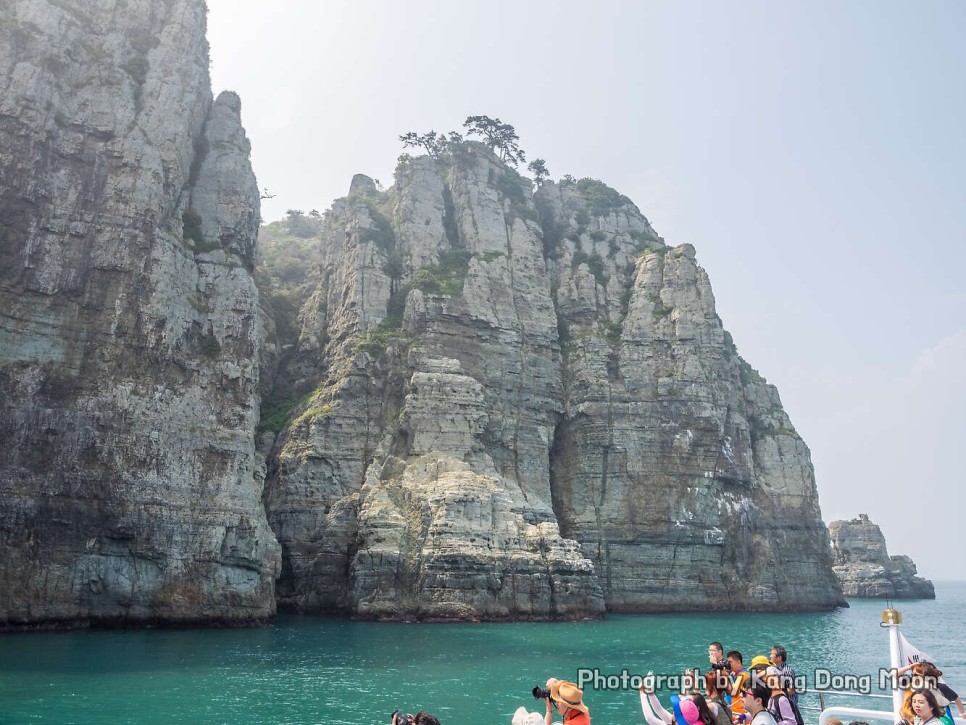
(130, 486)
(519, 404)
(493, 402)
(864, 567)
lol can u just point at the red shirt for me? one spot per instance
(576, 717)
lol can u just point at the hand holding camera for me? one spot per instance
(399, 718)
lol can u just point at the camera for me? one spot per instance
(401, 719)
(723, 665)
(540, 694)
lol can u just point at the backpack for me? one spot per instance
(777, 714)
(724, 716)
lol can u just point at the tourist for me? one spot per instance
(945, 695)
(655, 714)
(758, 665)
(926, 676)
(719, 666)
(753, 700)
(420, 718)
(719, 708)
(569, 701)
(716, 656)
(779, 704)
(736, 684)
(925, 707)
(780, 657)
(708, 711)
(522, 717)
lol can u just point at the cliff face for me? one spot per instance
(500, 403)
(865, 569)
(525, 405)
(128, 324)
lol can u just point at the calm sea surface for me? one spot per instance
(320, 670)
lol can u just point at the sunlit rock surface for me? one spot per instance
(130, 488)
(524, 405)
(865, 569)
(492, 402)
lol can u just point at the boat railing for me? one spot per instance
(845, 713)
(822, 694)
(849, 714)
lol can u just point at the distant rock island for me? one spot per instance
(471, 395)
(866, 570)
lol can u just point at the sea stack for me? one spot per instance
(866, 570)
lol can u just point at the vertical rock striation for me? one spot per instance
(524, 405)
(128, 334)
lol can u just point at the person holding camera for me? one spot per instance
(737, 682)
(568, 699)
(716, 656)
(420, 718)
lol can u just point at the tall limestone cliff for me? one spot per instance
(864, 567)
(130, 487)
(518, 404)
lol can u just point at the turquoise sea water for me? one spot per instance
(322, 670)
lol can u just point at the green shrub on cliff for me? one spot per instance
(445, 278)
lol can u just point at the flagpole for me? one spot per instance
(892, 618)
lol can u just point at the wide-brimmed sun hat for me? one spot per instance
(761, 661)
(689, 711)
(569, 694)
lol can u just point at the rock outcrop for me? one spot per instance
(494, 402)
(130, 487)
(522, 404)
(865, 569)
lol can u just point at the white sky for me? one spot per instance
(813, 153)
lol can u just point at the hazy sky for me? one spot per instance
(812, 152)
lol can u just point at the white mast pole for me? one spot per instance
(893, 618)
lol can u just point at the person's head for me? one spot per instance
(420, 718)
(715, 652)
(758, 665)
(834, 721)
(704, 712)
(773, 678)
(924, 675)
(924, 705)
(689, 711)
(713, 685)
(778, 655)
(734, 659)
(567, 696)
(755, 698)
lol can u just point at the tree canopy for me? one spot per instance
(538, 167)
(497, 136)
